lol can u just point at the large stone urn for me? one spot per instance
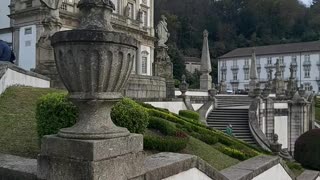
(94, 63)
(94, 66)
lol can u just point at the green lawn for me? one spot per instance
(208, 153)
(18, 134)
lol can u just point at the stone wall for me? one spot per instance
(11, 75)
(145, 87)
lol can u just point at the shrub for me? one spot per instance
(189, 114)
(233, 153)
(54, 112)
(127, 113)
(307, 149)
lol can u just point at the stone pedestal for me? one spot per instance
(71, 159)
(170, 88)
(205, 82)
(163, 67)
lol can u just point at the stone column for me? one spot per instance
(205, 69)
(94, 73)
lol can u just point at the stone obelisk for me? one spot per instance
(253, 75)
(205, 69)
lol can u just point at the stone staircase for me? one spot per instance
(233, 101)
(232, 110)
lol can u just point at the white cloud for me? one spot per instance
(307, 2)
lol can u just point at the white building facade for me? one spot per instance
(234, 67)
(134, 17)
(5, 22)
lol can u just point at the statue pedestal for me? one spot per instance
(163, 67)
(116, 159)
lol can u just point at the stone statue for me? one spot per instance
(162, 32)
(53, 6)
(127, 11)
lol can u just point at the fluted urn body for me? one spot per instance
(94, 65)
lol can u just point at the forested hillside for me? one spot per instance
(235, 23)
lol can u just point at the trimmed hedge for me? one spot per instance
(307, 149)
(233, 153)
(190, 114)
(54, 112)
(164, 144)
(174, 140)
(127, 113)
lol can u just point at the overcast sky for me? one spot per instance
(307, 2)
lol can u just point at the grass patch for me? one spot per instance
(18, 134)
(209, 154)
(296, 168)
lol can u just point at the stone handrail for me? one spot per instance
(256, 132)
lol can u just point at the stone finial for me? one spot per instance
(96, 14)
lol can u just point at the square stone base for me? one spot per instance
(114, 159)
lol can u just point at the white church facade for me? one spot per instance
(134, 17)
(234, 67)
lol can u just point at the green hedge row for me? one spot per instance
(233, 153)
(200, 131)
(174, 140)
(190, 114)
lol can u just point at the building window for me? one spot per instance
(246, 62)
(235, 76)
(223, 76)
(269, 60)
(294, 59)
(27, 31)
(246, 75)
(281, 60)
(224, 63)
(307, 58)
(145, 18)
(234, 62)
(282, 74)
(307, 73)
(258, 61)
(144, 64)
(307, 86)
